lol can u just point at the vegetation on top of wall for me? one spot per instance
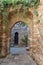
(22, 5)
(26, 3)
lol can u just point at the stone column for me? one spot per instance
(0, 37)
(31, 37)
(31, 34)
(4, 41)
(8, 42)
(1, 32)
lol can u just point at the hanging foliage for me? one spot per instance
(22, 6)
(29, 3)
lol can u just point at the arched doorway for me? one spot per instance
(20, 34)
(16, 38)
(12, 21)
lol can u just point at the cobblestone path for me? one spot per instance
(23, 59)
(20, 57)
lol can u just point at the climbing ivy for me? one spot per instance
(29, 3)
(25, 4)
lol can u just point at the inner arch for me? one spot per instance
(19, 34)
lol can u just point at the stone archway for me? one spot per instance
(13, 20)
(19, 32)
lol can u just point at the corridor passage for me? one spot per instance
(19, 56)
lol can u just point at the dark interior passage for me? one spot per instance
(16, 38)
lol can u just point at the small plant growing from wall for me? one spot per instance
(25, 40)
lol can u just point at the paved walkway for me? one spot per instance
(17, 59)
(18, 50)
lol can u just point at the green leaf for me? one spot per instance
(24, 2)
(38, 21)
(36, 12)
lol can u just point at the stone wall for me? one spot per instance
(6, 36)
(37, 45)
(18, 17)
(36, 34)
(0, 35)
